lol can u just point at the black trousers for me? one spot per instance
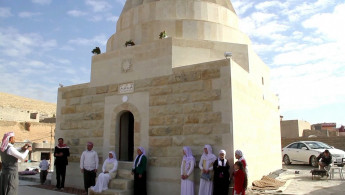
(89, 179)
(43, 176)
(140, 184)
(60, 176)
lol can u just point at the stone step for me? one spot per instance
(121, 184)
(125, 165)
(111, 192)
(124, 174)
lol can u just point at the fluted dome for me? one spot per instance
(134, 3)
(143, 20)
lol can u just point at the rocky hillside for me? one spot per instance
(13, 101)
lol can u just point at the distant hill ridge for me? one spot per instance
(14, 101)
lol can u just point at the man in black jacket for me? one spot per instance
(61, 152)
(326, 159)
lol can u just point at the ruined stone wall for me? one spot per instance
(39, 136)
(320, 133)
(17, 114)
(38, 132)
(16, 108)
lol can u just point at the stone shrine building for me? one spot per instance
(167, 93)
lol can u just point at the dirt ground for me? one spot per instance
(302, 182)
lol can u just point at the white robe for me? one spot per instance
(206, 162)
(206, 187)
(104, 178)
(187, 185)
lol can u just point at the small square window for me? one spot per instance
(33, 115)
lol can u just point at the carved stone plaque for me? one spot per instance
(126, 88)
(126, 65)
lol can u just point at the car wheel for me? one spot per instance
(313, 161)
(286, 159)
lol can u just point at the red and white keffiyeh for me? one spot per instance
(5, 140)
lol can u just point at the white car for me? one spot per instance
(307, 151)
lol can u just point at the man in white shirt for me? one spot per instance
(89, 166)
(9, 156)
(44, 165)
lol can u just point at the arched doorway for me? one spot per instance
(126, 142)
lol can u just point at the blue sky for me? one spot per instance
(45, 42)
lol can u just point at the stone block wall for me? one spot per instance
(255, 126)
(180, 111)
(293, 128)
(193, 106)
(80, 118)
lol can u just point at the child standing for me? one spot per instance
(240, 178)
(44, 165)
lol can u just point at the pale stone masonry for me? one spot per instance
(164, 94)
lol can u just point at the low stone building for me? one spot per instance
(322, 130)
(21, 109)
(32, 121)
(293, 128)
(164, 94)
(342, 131)
(41, 137)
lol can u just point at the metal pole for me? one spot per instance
(50, 147)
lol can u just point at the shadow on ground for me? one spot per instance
(68, 190)
(334, 190)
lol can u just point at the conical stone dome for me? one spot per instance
(133, 3)
(143, 20)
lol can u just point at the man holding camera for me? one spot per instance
(9, 156)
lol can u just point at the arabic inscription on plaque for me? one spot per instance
(126, 88)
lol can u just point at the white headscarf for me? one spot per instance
(239, 152)
(5, 140)
(219, 160)
(210, 157)
(188, 157)
(142, 150)
(111, 160)
(144, 153)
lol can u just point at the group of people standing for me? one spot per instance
(88, 165)
(215, 174)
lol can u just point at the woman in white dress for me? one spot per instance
(187, 167)
(109, 171)
(206, 167)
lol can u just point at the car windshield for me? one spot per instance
(318, 145)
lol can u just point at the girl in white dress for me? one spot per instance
(109, 171)
(187, 167)
(206, 167)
